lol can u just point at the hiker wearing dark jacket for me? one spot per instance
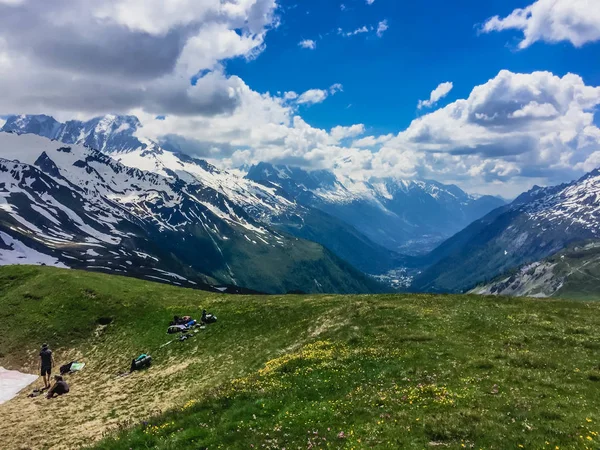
(59, 387)
(46, 363)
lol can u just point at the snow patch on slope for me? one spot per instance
(19, 253)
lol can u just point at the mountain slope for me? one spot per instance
(269, 205)
(403, 216)
(538, 224)
(571, 273)
(274, 206)
(401, 371)
(86, 210)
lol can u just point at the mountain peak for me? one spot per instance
(109, 133)
(39, 124)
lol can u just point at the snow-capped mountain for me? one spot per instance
(536, 225)
(74, 206)
(273, 206)
(108, 134)
(401, 215)
(114, 135)
(269, 205)
(365, 223)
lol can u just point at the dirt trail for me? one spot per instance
(98, 402)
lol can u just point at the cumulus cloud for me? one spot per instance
(308, 43)
(339, 133)
(511, 132)
(313, 96)
(436, 95)
(76, 59)
(106, 56)
(576, 21)
(290, 95)
(515, 125)
(372, 141)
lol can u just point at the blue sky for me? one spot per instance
(427, 43)
(521, 81)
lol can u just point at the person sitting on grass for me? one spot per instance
(60, 387)
(46, 363)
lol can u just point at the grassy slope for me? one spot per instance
(582, 272)
(388, 371)
(575, 272)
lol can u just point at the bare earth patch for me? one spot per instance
(98, 402)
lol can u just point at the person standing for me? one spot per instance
(46, 363)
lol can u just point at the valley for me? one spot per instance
(538, 224)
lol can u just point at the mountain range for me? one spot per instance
(411, 217)
(538, 224)
(406, 216)
(318, 206)
(276, 229)
(73, 206)
(268, 205)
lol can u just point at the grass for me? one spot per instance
(385, 371)
(581, 266)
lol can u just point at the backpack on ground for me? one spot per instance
(66, 368)
(141, 362)
(208, 318)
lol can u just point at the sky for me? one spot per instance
(494, 96)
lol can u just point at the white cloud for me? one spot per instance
(436, 95)
(514, 126)
(576, 21)
(535, 110)
(372, 141)
(591, 163)
(370, 2)
(339, 133)
(314, 96)
(360, 30)
(159, 16)
(382, 27)
(308, 43)
(102, 56)
(511, 132)
(290, 95)
(335, 88)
